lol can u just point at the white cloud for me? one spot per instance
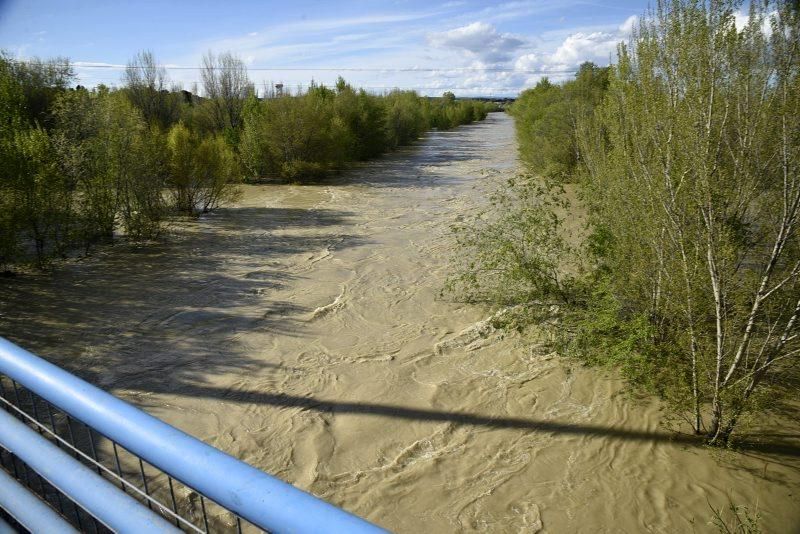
(630, 23)
(480, 40)
(580, 47)
(742, 18)
(528, 62)
(560, 58)
(468, 53)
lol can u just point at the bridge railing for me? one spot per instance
(100, 465)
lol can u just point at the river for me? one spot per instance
(302, 331)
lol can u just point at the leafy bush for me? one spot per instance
(547, 117)
(515, 252)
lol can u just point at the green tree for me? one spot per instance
(699, 192)
(34, 198)
(226, 87)
(688, 157)
(146, 86)
(548, 117)
(202, 171)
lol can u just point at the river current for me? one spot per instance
(302, 330)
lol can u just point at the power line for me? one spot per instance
(375, 87)
(325, 69)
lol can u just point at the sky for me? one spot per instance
(472, 48)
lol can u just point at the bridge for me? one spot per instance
(75, 458)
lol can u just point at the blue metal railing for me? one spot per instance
(27, 509)
(116, 510)
(250, 494)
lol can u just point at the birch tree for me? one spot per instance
(697, 182)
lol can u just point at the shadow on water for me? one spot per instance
(171, 311)
(774, 447)
(163, 317)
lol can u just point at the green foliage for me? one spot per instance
(698, 203)
(687, 154)
(547, 117)
(39, 198)
(131, 164)
(80, 167)
(406, 119)
(202, 171)
(38, 84)
(96, 167)
(146, 88)
(298, 137)
(34, 198)
(218, 171)
(516, 251)
(114, 162)
(601, 331)
(306, 136)
(226, 88)
(447, 113)
(364, 116)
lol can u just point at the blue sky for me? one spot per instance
(469, 47)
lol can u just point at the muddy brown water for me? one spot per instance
(302, 331)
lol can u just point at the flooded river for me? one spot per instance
(302, 331)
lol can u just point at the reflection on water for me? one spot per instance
(301, 331)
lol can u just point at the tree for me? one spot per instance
(34, 198)
(146, 87)
(548, 116)
(114, 161)
(226, 87)
(696, 185)
(687, 154)
(202, 172)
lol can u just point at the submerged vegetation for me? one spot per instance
(80, 166)
(311, 134)
(686, 158)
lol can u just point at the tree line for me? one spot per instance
(81, 166)
(686, 158)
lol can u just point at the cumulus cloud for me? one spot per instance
(580, 47)
(561, 58)
(630, 23)
(479, 40)
(496, 62)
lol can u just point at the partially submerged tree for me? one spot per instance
(700, 193)
(689, 165)
(547, 119)
(114, 161)
(202, 172)
(309, 134)
(34, 197)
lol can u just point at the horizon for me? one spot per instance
(465, 47)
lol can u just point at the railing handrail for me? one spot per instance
(28, 509)
(114, 508)
(262, 499)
